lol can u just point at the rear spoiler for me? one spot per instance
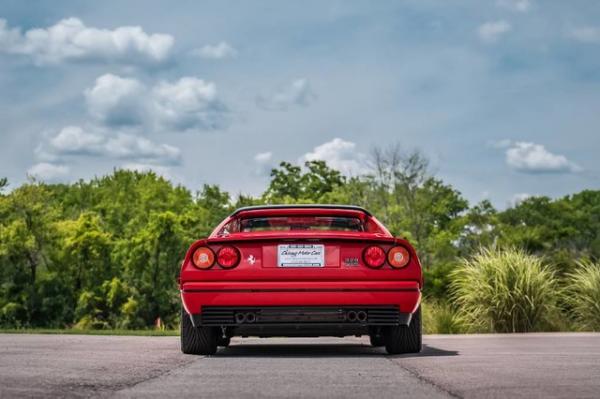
(303, 236)
(301, 206)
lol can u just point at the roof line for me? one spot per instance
(301, 206)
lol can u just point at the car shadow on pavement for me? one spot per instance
(427, 351)
(320, 350)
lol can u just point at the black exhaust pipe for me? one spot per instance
(351, 316)
(240, 318)
(250, 317)
(361, 316)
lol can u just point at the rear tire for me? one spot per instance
(377, 340)
(404, 339)
(197, 340)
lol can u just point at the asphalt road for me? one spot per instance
(473, 366)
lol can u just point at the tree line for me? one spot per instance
(105, 253)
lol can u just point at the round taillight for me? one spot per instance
(203, 258)
(228, 257)
(398, 257)
(374, 256)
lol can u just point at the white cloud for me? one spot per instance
(515, 5)
(264, 163)
(297, 93)
(216, 51)
(535, 158)
(504, 143)
(263, 157)
(586, 34)
(71, 39)
(117, 101)
(187, 104)
(70, 140)
(490, 32)
(518, 198)
(73, 140)
(128, 146)
(48, 171)
(340, 155)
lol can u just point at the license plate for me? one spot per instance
(301, 255)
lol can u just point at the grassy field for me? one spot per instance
(157, 333)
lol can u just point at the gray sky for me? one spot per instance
(502, 95)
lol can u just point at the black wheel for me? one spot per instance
(223, 341)
(377, 339)
(404, 339)
(197, 340)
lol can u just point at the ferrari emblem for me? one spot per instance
(251, 259)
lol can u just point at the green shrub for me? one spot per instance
(441, 318)
(53, 303)
(582, 295)
(437, 280)
(129, 318)
(104, 307)
(505, 291)
(12, 314)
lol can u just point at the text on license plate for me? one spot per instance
(301, 255)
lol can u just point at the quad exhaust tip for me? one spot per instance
(361, 316)
(240, 318)
(248, 317)
(351, 316)
(356, 316)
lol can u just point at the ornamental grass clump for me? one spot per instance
(582, 296)
(505, 290)
(440, 318)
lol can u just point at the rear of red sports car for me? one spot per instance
(303, 271)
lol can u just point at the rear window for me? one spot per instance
(286, 223)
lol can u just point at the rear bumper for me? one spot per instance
(338, 296)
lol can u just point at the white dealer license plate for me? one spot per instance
(301, 255)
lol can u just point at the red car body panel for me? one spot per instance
(343, 280)
(405, 295)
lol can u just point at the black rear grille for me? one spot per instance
(383, 316)
(275, 315)
(218, 316)
(278, 315)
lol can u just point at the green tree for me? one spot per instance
(564, 229)
(87, 250)
(286, 181)
(320, 180)
(29, 231)
(27, 237)
(416, 205)
(152, 261)
(216, 202)
(290, 184)
(480, 228)
(106, 252)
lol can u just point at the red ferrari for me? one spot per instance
(301, 271)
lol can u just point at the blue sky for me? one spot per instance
(502, 95)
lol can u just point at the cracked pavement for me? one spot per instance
(551, 365)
